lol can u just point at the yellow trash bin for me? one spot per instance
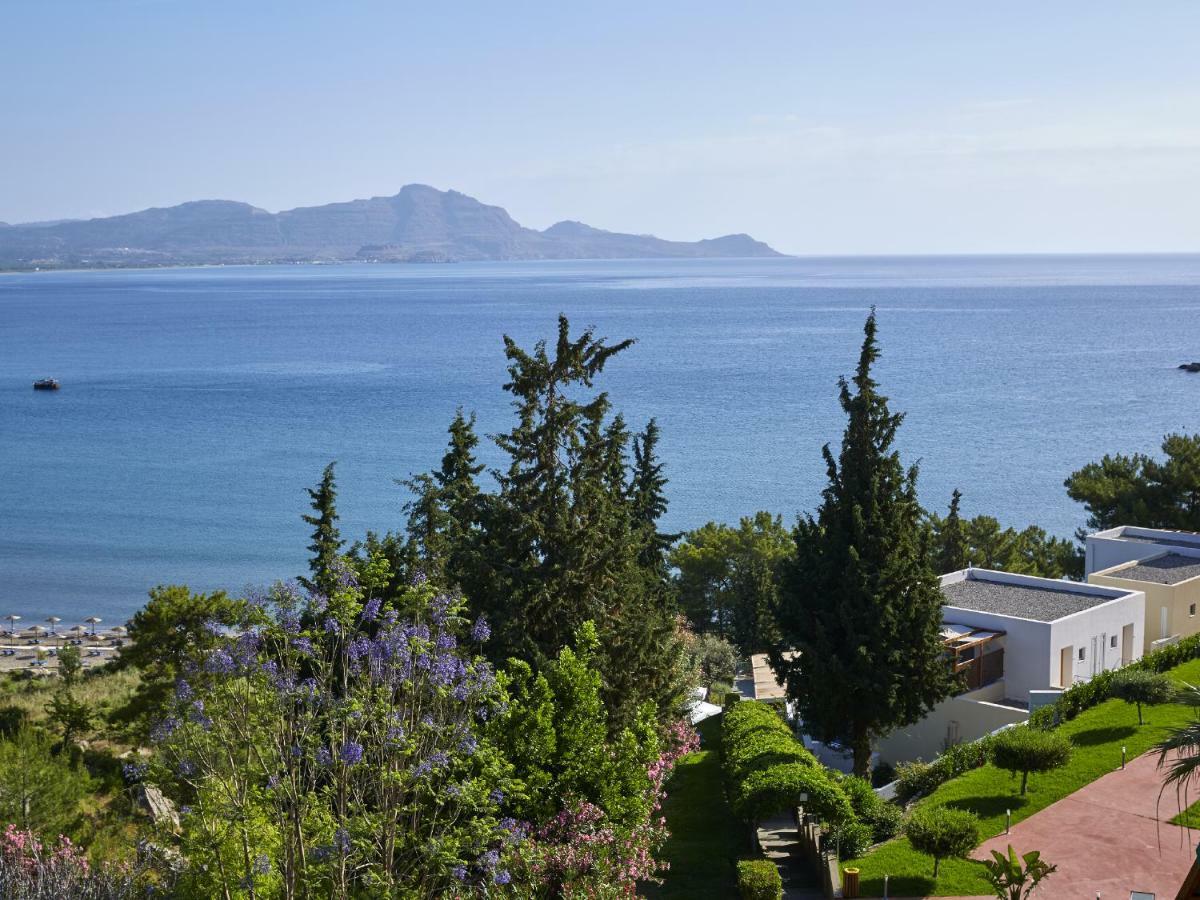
(849, 882)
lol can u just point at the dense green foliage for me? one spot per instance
(861, 601)
(569, 536)
(983, 543)
(1140, 686)
(759, 879)
(714, 660)
(942, 833)
(41, 790)
(882, 818)
(173, 632)
(767, 769)
(728, 578)
(1138, 489)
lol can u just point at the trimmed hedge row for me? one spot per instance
(767, 769)
(1083, 696)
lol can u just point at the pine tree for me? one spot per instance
(860, 601)
(952, 543)
(647, 495)
(326, 541)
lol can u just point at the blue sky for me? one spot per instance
(822, 128)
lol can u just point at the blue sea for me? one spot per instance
(198, 404)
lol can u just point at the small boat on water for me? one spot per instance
(46, 384)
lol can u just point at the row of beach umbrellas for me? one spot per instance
(91, 621)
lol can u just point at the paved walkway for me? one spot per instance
(1108, 837)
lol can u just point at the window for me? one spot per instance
(1112, 642)
(1192, 610)
(1081, 654)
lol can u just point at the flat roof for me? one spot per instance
(1161, 537)
(765, 685)
(1170, 568)
(1040, 602)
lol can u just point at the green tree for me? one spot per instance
(942, 833)
(175, 630)
(40, 790)
(952, 553)
(567, 538)
(647, 495)
(326, 546)
(1023, 749)
(70, 665)
(1140, 686)
(982, 542)
(861, 601)
(70, 716)
(727, 579)
(1139, 489)
(1013, 877)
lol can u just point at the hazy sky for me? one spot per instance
(822, 128)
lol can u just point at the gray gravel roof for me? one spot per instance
(1170, 569)
(1022, 601)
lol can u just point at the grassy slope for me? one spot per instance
(706, 838)
(1098, 735)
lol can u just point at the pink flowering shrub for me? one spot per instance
(33, 870)
(581, 853)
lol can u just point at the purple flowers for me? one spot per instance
(352, 752)
(481, 630)
(324, 757)
(370, 610)
(219, 662)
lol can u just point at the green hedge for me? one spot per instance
(758, 879)
(916, 779)
(1083, 696)
(767, 769)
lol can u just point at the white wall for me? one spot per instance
(1100, 622)
(974, 714)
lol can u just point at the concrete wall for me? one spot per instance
(1177, 599)
(973, 715)
(1093, 630)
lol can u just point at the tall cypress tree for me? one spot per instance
(326, 541)
(648, 499)
(951, 541)
(861, 602)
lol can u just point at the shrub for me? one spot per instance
(1140, 686)
(12, 718)
(1028, 750)
(758, 879)
(767, 768)
(717, 691)
(916, 779)
(942, 833)
(852, 839)
(883, 818)
(715, 657)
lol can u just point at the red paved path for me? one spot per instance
(1107, 837)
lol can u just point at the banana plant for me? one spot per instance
(1013, 877)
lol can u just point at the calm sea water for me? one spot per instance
(197, 404)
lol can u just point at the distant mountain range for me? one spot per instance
(419, 224)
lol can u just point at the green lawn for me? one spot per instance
(1098, 735)
(706, 838)
(1189, 818)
